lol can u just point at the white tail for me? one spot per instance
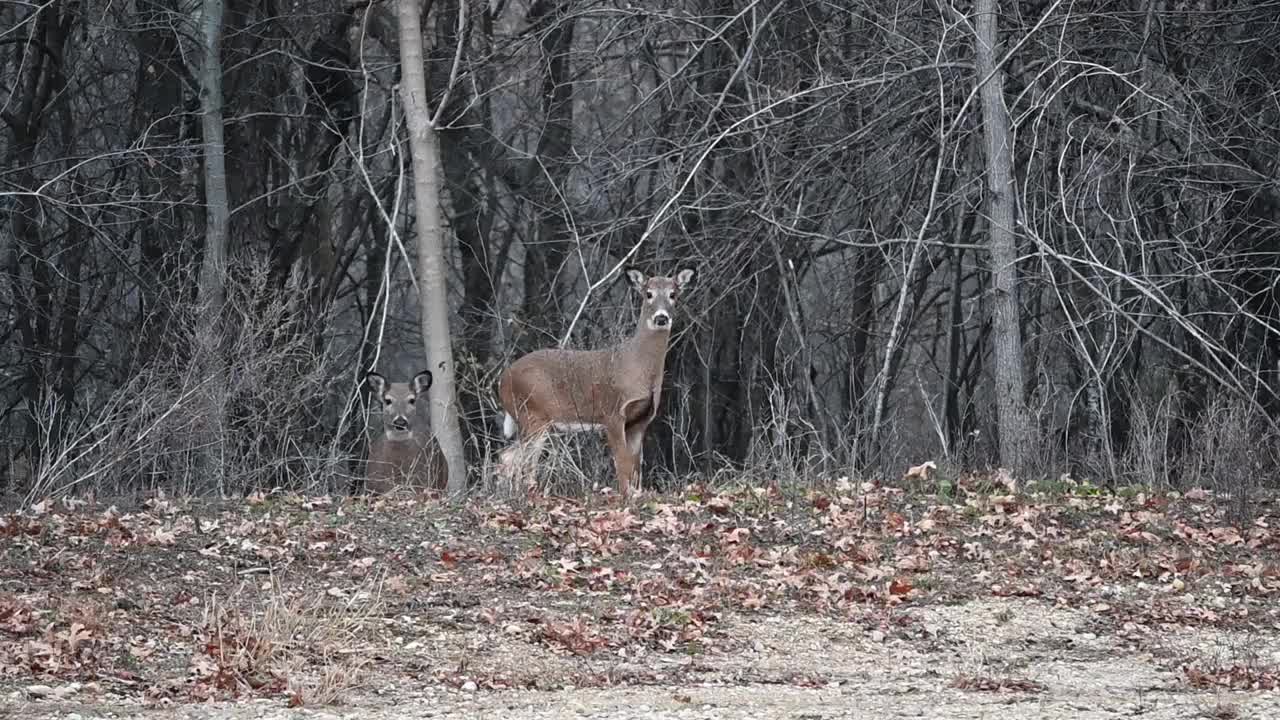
(406, 452)
(616, 389)
(508, 426)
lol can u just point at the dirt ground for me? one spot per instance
(740, 603)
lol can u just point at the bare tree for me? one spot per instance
(424, 144)
(213, 269)
(1017, 435)
(855, 233)
(547, 182)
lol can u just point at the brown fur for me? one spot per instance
(617, 388)
(406, 453)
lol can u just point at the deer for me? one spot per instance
(615, 389)
(405, 454)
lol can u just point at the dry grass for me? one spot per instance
(571, 465)
(1223, 709)
(278, 402)
(996, 683)
(308, 646)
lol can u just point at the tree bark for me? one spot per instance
(862, 321)
(955, 349)
(545, 258)
(39, 82)
(167, 245)
(211, 288)
(1017, 436)
(472, 212)
(964, 222)
(433, 297)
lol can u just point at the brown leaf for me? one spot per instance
(719, 505)
(920, 471)
(895, 522)
(918, 562)
(985, 683)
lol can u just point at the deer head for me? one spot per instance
(659, 295)
(405, 453)
(399, 402)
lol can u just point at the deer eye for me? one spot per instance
(411, 400)
(648, 294)
(386, 401)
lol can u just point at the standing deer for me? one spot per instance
(615, 389)
(406, 453)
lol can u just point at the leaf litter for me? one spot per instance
(717, 602)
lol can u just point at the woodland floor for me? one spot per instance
(854, 602)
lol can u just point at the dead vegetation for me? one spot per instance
(290, 419)
(315, 601)
(263, 639)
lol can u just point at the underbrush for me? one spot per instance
(274, 402)
(262, 639)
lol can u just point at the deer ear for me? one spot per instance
(422, 382)
(376, 382)
(684, 277)
(636, 278)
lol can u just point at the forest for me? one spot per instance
(1040, 236)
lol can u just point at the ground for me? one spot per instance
(848, 601)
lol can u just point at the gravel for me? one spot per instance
(1037, 660)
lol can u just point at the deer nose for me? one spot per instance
(400, 422)
(661, 320)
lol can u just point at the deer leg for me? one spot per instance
(518, 463)
(519, 460)
(533, 453)
(636, 416)
(635, 443)
(510, 465)
(623, 461)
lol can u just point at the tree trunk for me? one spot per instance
(471, 189)
(69, 324)
(39, 83)
(213, 268)
(545, 259)
(165, 241)
(1017, 436)
(433, 296)
(862, 321)
(955, 349)
(966, 219)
